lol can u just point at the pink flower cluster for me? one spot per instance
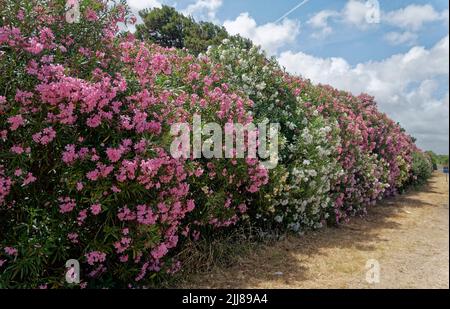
(94, 257)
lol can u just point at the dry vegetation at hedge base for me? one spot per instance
(84, 132)
(407, 234)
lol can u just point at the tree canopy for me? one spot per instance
(167, 27)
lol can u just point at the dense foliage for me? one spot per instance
(421, 169)
(437, 160)
(85, 168)
(168, 28)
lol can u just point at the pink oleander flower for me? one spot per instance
(94, 121)
(15, 122)
(122, 245)
(82, 215)
(123, 258)
(11, 251)
(66, 204)
(242, 208)
(114, 154)
(91, 15)
(17, 149)
(20, 15)
(199, 172)
(159, 252)
(125, 214)
(23, 97)
(190, 205)
(79, 186)
(69, 155)
(96, 209)
(115, 189)
(29, 179)
(34, 46)
(73, 237)
(93, 175)
(45, 136)
(95, 257)
(145, 215)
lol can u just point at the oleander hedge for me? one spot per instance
(85, 167)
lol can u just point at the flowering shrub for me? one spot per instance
(85, 133)
(362, 157)
(298, 195)
(422, 168)
(85, 170)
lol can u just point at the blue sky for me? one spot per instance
(400, 57)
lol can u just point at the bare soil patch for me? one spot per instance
(407, 234)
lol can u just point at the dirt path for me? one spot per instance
(408, 236)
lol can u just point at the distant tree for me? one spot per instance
(437, 159)
(169, 28)
(204, 34)
(443, 160)
(163, 26)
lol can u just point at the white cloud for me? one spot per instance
(413, 17)
(137, 5)
(271, 36)
(399, 38)
(203, 9)
(404, 85)
(319, 21)
(361, 14)
(356, 12)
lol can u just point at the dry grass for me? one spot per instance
(407, 234)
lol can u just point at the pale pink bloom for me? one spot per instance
(11, 251)
(94, 121)
(242, 208)
(95, 257)
(96, 209)
(114, 154)
(69, 155)
(82, 215)
(66, 204)
(73, 237)
(190, 205)
(45, 136)
(15, 122)
(29, 179)
(17, 149)
(199, 172)
(34, 46)
(145, 215)
(115, 189)
(79, 186)
(159, 252)
(91, 15)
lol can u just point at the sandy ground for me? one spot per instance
(407, 235)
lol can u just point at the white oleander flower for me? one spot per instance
(278, 219)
